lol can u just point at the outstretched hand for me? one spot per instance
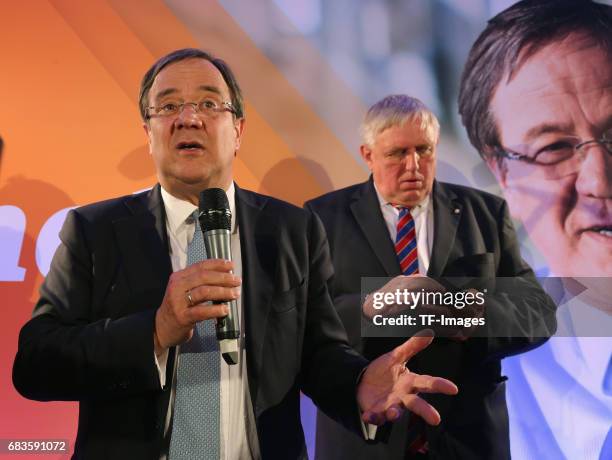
(388, 387)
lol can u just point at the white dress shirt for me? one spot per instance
(237, 422)
(564, 379)
(422, 214)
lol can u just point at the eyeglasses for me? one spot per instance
(396, 156)
(559, 158)
(206, 107)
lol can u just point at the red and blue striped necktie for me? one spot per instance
(406, 250)
(406, 243)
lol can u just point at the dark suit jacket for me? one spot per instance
(473, 237)
(91, 336)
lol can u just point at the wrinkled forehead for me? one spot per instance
(413, 129)
(420, 128)
(578, 57)
(188, 78)
(566, 84)
(406, 133)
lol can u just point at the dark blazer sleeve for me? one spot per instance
(74, 349)
(347, 304)
(330, 368)
(520, 315)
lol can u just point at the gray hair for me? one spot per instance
(396, 110)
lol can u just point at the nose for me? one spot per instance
(188, 118)
(595, 176)
(412, 161)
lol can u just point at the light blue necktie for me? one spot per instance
(195, 426)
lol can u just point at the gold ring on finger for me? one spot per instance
(188, 297)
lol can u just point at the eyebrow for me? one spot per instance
(404, 149)
(168, 91)
(547, 128)
(211, 89)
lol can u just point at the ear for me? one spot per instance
(239, 129)
(498, 168)
(147, 130)
(366, 154)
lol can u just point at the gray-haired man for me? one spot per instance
(458, 232)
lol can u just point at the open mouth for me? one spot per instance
(605, 230)
(189, 146)
(599, 231)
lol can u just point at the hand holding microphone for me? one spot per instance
(189, 290)
(216, 223)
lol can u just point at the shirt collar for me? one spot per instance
(595, 350)
(177, 210)
(579, 349)
(414, 211)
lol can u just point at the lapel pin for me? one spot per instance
(456, 210)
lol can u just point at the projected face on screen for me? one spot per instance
(554, 119)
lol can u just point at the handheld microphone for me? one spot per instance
(215, 221)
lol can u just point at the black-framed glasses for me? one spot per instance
(560, 156)
(396, 156)
(207, 107)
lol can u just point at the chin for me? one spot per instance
(193, 180)
(580, 270)
(603, 270)
(411, 198)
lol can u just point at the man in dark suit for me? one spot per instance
(120, 312)
(458, 232)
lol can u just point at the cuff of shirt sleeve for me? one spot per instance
(160, 362)
(368, 430)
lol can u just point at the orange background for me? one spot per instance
(72, 133)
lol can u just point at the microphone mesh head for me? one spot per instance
(215, 212)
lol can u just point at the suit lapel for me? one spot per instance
(259, 252)
(366, 210)
(447, 213)
(144, 243)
